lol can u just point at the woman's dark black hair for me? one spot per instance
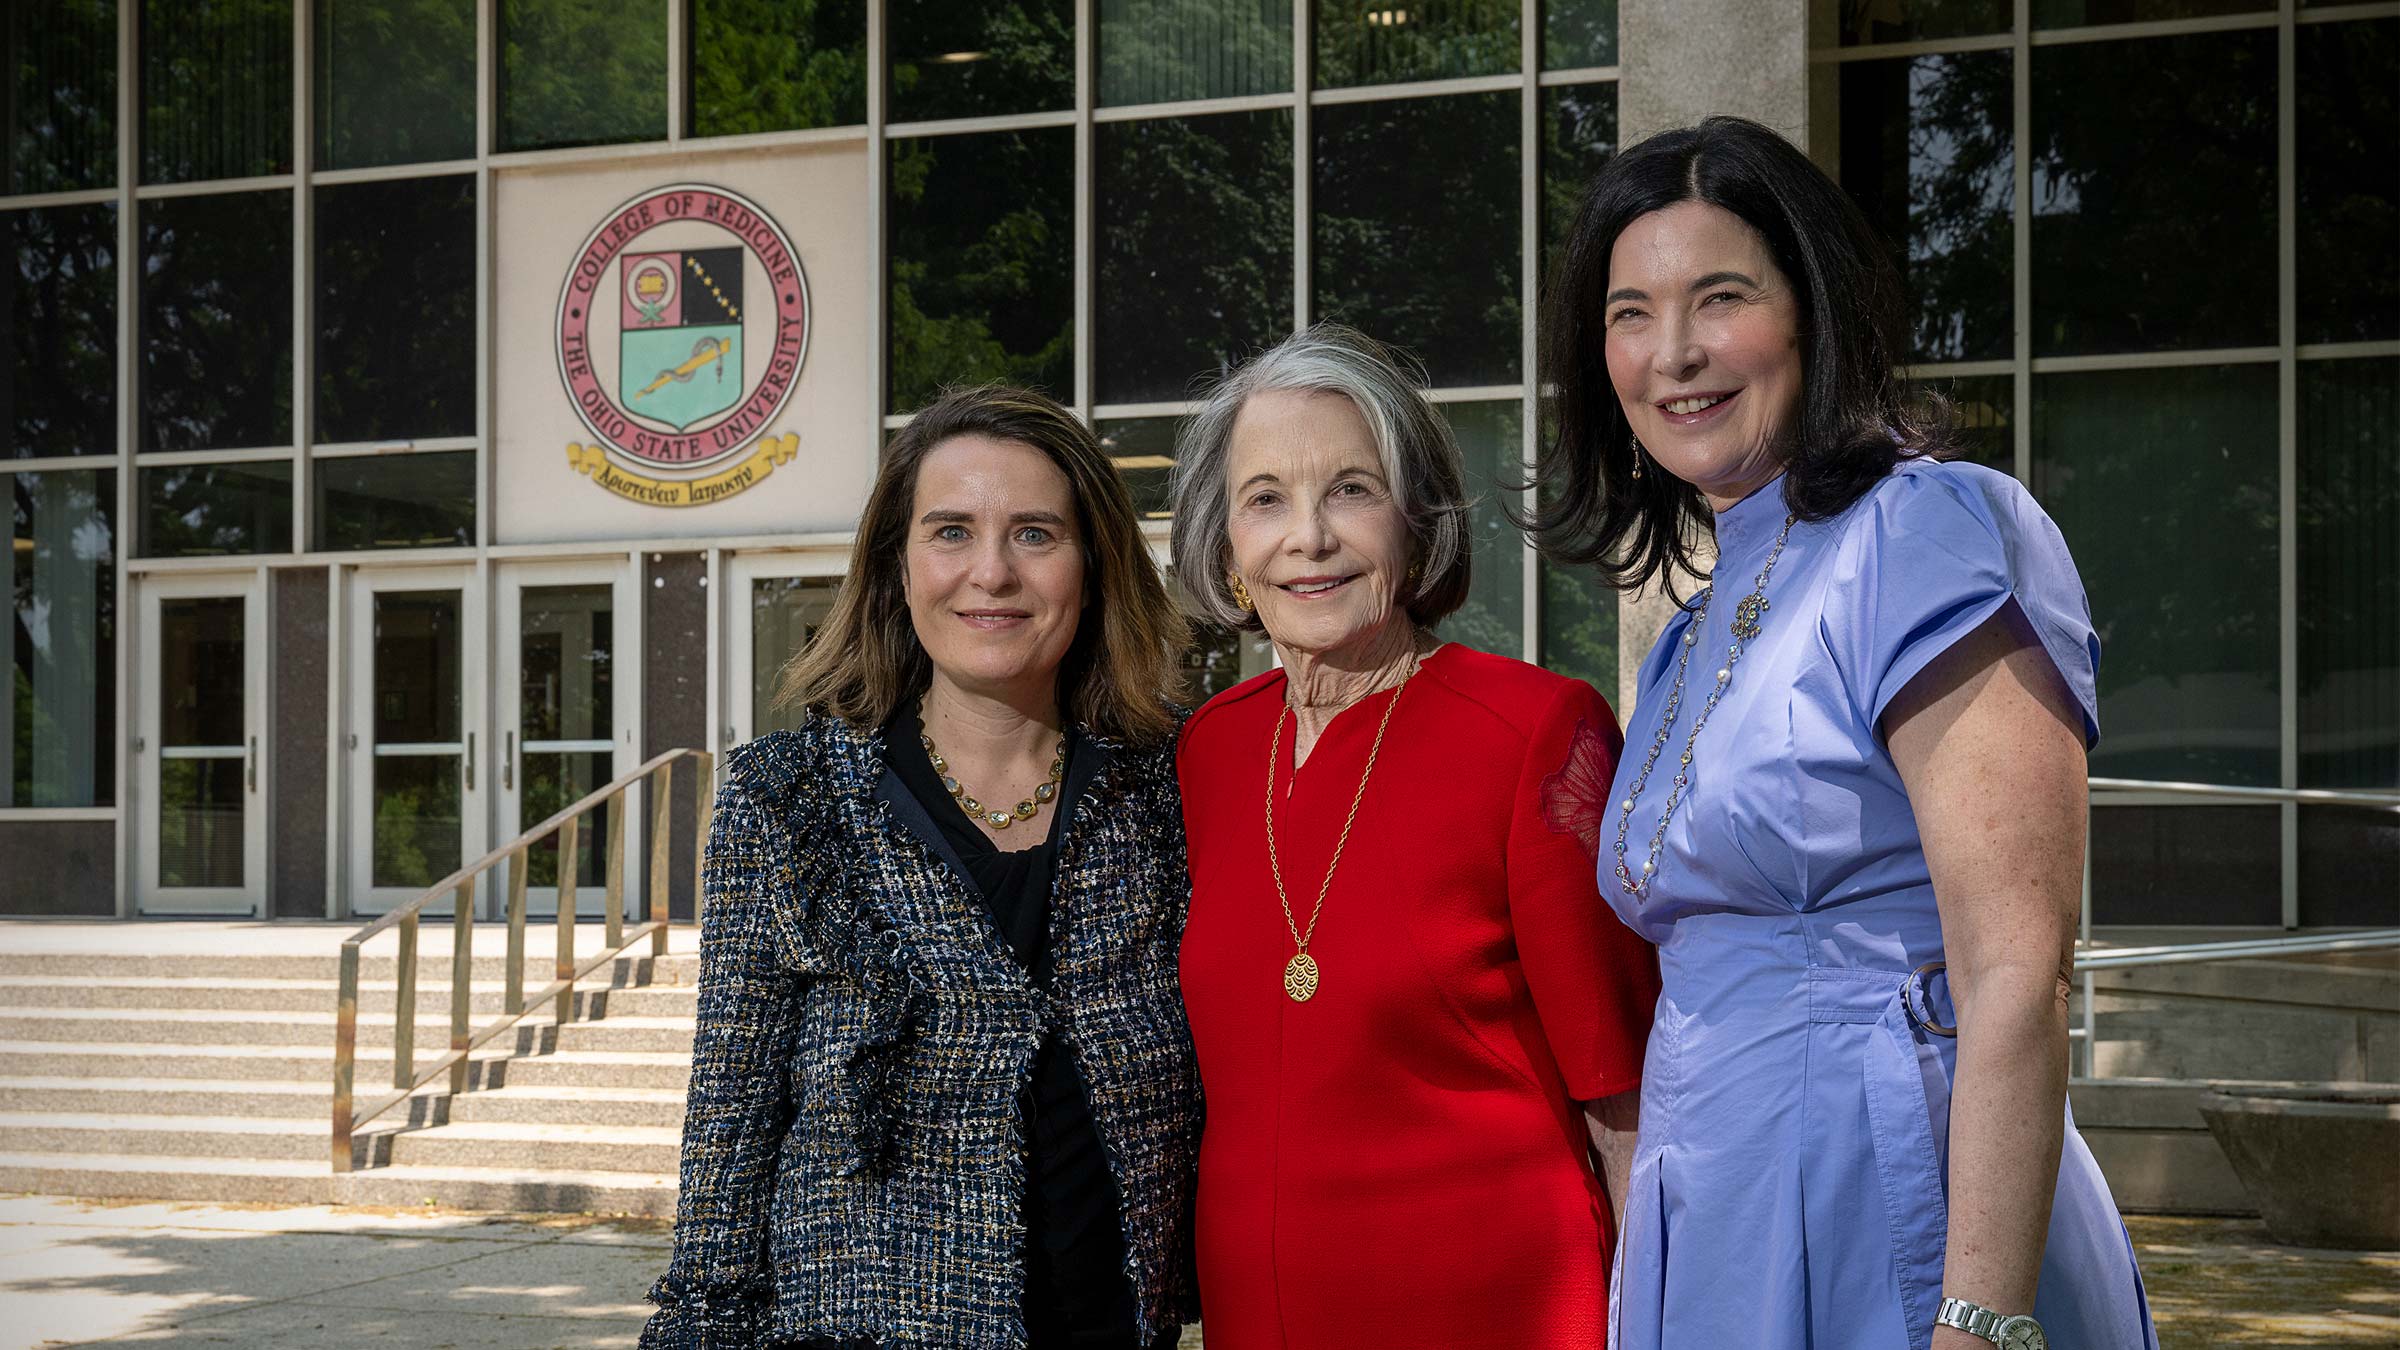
(1857, 416)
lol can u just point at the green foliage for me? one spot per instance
(1167, 51)
(982, 263)
(1438, 40)
(62, 66)
(395, 81)
(216, 321)
(582, 72)
(777, 65)
(216, 88)
(1024, 57)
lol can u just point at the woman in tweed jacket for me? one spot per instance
(942, 1091)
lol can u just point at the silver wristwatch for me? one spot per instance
(2008, 1331)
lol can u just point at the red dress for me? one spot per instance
(1401, 1160)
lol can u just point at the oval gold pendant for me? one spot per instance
(1300, 978)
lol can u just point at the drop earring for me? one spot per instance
(1637, 459)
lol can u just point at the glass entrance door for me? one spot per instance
(199, 746)
(566, 718)
(411, 743)
(778, 601)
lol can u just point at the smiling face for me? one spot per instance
(1316, 534)
(1704, 348)
(994, 573)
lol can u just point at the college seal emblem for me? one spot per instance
(680, 333)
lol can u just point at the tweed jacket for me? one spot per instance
(853, 1153)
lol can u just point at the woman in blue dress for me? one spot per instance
(1850, 811)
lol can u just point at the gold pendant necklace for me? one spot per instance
(998, 820)
(1300, 973)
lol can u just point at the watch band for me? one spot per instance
(2002, 1329)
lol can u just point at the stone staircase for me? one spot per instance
(208, 1077)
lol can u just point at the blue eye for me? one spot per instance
(951, 533)
(1033, 534)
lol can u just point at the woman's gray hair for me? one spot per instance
(1420, 463)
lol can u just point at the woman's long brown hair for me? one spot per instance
(1124, 667)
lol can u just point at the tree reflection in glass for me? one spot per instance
(216, 288)
(777, 65)
(1490, 441)
(1167, 51)
(395, 311)
(216, 510)
(979, 58)
(1401, 41)
(395, 81)
(1195, 249)
(216, 89)
(1927, 153)
(982, 263)
(581, 72)
(58, 327)
(2349, 180)
(2349, 561)
(61, 698)
(61, 125)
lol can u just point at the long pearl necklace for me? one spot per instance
(1746, 616)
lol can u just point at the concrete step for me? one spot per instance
(433, 964)
(230, 1098)
(530, 1147)
(658, 1108)
(505, 1190)
(172, 1136)
(211, 1026)
(277, 1063)
(665, 1035)
(161, 1177)
(593, 1068)
(318, 996)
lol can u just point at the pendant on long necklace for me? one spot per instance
(1300, 978)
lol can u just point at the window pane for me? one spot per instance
(1490, 440)
(2135, 250)
(1579, 627)
(2205, 864)
(1869, 21)
(2088, 13)
(979, 58)
(1164, 51)
(58, 328)
(396, 501)
(1927, 154)
(2348, 89)
(395, 314)
(58, 735)
(1376, 43)
(983, 263)
(206, 510)
(1416, 229)
(1195, 266)
(1579, 134)
(2349, 540)
(416, 819)
(2349, 867)
(1143, 449)
(582, 72)
(2135, 466)
(784, 614)
(395, 81)
(1985, 406)
(217, 321)
(216, 89)
(777, 65)
(62, 114)
(1579, 33)
(417, 669)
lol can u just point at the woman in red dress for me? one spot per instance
(1416, 1020)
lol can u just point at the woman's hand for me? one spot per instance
(1991, 749)
(1613, 1122)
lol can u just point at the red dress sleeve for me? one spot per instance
(1594, 982)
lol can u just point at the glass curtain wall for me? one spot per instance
(1225, 171)
(2168, 348)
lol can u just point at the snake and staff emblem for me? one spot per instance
(681, 332)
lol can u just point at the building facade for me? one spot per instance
(422, 411)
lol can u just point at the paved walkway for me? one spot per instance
(83, 1273)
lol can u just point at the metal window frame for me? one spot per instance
(2286, 355)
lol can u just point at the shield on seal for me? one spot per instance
(679, 351)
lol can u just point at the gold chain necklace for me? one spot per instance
(998, 820)
(1300, 973)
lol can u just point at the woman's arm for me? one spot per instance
(719, 1289)
(1613, 1122)
(1991, 749)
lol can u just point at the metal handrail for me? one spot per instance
(659, 772)
(2129, 787)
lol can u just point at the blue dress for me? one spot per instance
(1789, 1189)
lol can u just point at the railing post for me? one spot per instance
(515, 997)
(704, 798)
(462, 978)
(659, 908)
(569, 846)
(345, 1055)
(2091, 1018)
(404, 1008)
(612, 904)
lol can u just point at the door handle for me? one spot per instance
(467, 775)
(250, 768)
(508, 764)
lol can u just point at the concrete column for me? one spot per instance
(1684, 60)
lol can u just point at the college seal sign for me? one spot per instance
(680, 333)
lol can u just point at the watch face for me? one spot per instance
(2020, 1333)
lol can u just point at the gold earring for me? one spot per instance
(1241, 593)
(1637, 459)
